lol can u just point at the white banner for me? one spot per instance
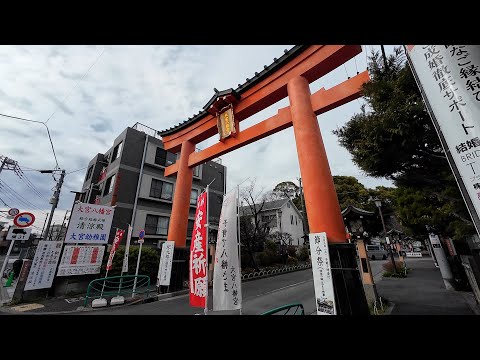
(89, 224)
(227, 288)
(413, 254)
(81, 260)
(44, 265)
(127, 250)
(165, 267)
(322, 275)
(441, 259)
(450, 77)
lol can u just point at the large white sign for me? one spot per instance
(450, 77)
(227, 290)
(322, 274)
(413, 254)
(16, 233)
(81, 260)
(165, 267)
(44, 265)
(89, 224)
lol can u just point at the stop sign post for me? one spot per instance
(141, 236)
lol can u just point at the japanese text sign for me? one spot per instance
(89, 224)
(44, 265)
(81, 260)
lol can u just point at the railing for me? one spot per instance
(147, 130)
(296, 307)
(117, 285)
(266, 273)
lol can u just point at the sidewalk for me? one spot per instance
(423, 292)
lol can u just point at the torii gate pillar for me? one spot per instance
(321, 201)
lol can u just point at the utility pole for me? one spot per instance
(7, 163)
(54, 203)
(384, 57)
(304, 218)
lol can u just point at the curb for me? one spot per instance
(471, 302)
(81, 309)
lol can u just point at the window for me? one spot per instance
(190, 227)
(89, 172)
(109, 185)
(296, 223)
(116, 152)
(156, 225)
(196, 171)
(193, 197)
(288, 204)
(161, 190)
(161, 156)
(291, 219)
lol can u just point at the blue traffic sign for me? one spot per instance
(142, 234)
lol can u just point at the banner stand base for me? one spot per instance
(350, 296)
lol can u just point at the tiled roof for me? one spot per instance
(267, 70)
(354, 209)
(269, 205)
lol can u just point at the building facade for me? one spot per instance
(130, 175)
(282, 216)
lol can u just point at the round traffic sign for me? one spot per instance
(141, 235)
(13, 211)
(24, 219)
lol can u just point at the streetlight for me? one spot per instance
(378, 203)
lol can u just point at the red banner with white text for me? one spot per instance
(116, 242)
(198, 255)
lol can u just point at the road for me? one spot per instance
(377, 269)
(258, 296)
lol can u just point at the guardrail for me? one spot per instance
(296, 307)
(117, 285)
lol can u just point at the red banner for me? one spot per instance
(198, 255)
(116, 242)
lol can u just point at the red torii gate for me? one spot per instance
(288, 76)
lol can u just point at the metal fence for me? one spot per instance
(118, 285)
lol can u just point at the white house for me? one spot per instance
(283, 216)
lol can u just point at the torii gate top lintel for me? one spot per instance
(263, 90)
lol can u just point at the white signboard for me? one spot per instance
(89, 224)
(450, 77)
(16, 233)
(413, 254)
(165, 267)
(322, 275)
(227, 291)
(44, 265)
(441, 259)
(81, 260)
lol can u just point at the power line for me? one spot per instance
(30, 185)
(77, 83)
(76, 170)
(4, 203)
(20, 197)
(48, 133)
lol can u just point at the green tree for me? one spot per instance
(351, 192)
(149, 262)
(396, 139)
(289, 190)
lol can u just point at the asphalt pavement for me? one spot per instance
(423, 292)
(258, 296)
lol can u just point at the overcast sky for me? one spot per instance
(158, 86)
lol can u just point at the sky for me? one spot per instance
(90, 94)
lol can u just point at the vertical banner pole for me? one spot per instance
(206, 247)
(136, 271)
(239, 243)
